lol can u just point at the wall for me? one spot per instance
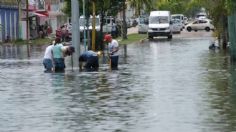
(232, 32)
(9, 23)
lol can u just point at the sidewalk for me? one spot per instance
(132, 30)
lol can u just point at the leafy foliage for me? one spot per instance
(110, 6)
(141, 4)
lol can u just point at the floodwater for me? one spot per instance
(161, 86)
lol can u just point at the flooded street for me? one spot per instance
(161, 86)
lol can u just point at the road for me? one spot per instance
(162, 85)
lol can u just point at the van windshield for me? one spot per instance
(143, 20)
(158, 20)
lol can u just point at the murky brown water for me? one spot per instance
(161, 86)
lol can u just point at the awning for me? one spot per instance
(55, 13)
(41, 14)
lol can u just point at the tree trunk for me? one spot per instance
(101, 30)
(124, 27)
(225, 32)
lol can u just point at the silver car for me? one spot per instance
(200, 24)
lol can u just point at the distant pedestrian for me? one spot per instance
(113, 30)
(63, 33)
(89, 61)
(113, 51)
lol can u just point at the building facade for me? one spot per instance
(42, 14)
(9, 22)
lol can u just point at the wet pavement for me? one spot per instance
(161, 86)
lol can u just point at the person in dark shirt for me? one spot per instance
(90, 61)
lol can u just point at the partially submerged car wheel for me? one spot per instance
(189, 29)
(207, 29)
(170, 37)
(150, 37)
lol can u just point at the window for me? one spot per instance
(158, 19)
(202, 21)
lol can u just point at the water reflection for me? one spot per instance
(86, 100)
(13, 51)
(221, 114)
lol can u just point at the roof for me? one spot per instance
(159, 13)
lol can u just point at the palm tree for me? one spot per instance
(140, 4)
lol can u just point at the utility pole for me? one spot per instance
(93, 25)
(84, 22)
(124, 35)
(75, 30)
(27, 27)
(27, 20)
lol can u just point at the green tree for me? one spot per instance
(103, 8)
(217, 11)
(141, 4)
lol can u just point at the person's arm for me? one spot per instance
(115, 48)
(53, 66)
(80, 65)
(64, 49)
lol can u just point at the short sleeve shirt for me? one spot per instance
(57, 51)
(112, 45)
(48, 52)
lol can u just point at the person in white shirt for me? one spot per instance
(113, 49)
(48, 59)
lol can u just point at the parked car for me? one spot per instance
(200, 24)
(143, 25)
(180, 17)
(185, 20)
(176, 26)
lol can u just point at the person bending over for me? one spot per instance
(59, 53)
(89, 61)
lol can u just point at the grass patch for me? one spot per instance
(132, 38)
(39, 41)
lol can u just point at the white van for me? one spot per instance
(159, 24)
(142, 25)
(83, 22)
(108, 23)
(179, 17)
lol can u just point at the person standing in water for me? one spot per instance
(113, 49)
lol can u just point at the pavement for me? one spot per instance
(132, 30)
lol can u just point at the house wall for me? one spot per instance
(9, 23)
